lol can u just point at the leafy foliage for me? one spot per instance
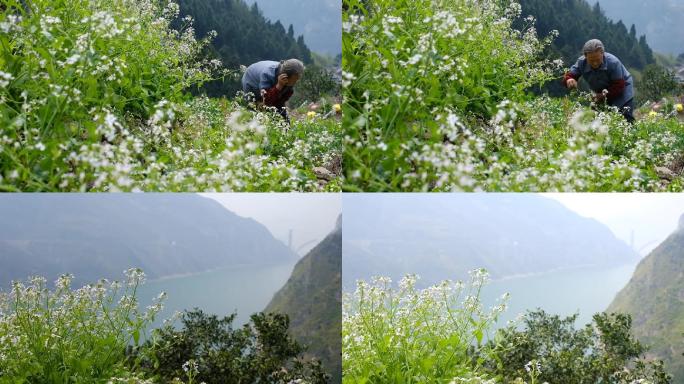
(601, 352)
(95, 334)
(259, 352)
(657, 82)
(316, 83)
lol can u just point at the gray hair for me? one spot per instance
(593, 45)
(291, 67)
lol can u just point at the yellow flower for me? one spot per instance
(680, 107)
(338, 108)
(311, 114)
(653, 114)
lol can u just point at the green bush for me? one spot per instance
(441, 334)
(316, 83)
(70, 336)
(600, 352)
(208, 349)
(656, 82)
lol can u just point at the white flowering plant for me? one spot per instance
(410, 335)
(70, 335)
(94, 96)
(437, 99)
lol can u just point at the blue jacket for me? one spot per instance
(605, 77)
(260, 75)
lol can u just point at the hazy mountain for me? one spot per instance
(100, 235)
(445, 235)
(655, 299)
(661, 20)
(320, 21)
(312, 299)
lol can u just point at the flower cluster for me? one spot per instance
(82, 333)
(406, 332)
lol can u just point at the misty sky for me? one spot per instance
(652, 216)
(311, 216)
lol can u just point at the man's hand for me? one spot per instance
(571, 83)
(599, 97)
(282, 81)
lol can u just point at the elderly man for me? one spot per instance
(607, 77)
(270, 82)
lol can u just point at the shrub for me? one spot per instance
(600, 352)
(316, 83)
(208, 349)
(656, 83)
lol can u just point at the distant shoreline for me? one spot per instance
(228, 267)
(561, 269)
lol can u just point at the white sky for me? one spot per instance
(311, 216)
(650, 216)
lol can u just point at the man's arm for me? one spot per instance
(574, 73)
(274, 98)
(617, 82)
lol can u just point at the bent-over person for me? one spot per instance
(607, 77)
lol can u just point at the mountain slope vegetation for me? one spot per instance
(662, 21)
(243, 36)
(312, 300)
(654, 297)
(317, 20)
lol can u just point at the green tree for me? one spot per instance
(316, 82)
(656, 82)
(600, 352)
(259, 352)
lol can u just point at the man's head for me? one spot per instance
(593, 51)
(294, 69)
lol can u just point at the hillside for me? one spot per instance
(662, 21)
(448, 235)
(655, 299)
(96, 236)
(318, 21)
(311, 298)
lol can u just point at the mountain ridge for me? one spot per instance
(445, 237)
(98, 236)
